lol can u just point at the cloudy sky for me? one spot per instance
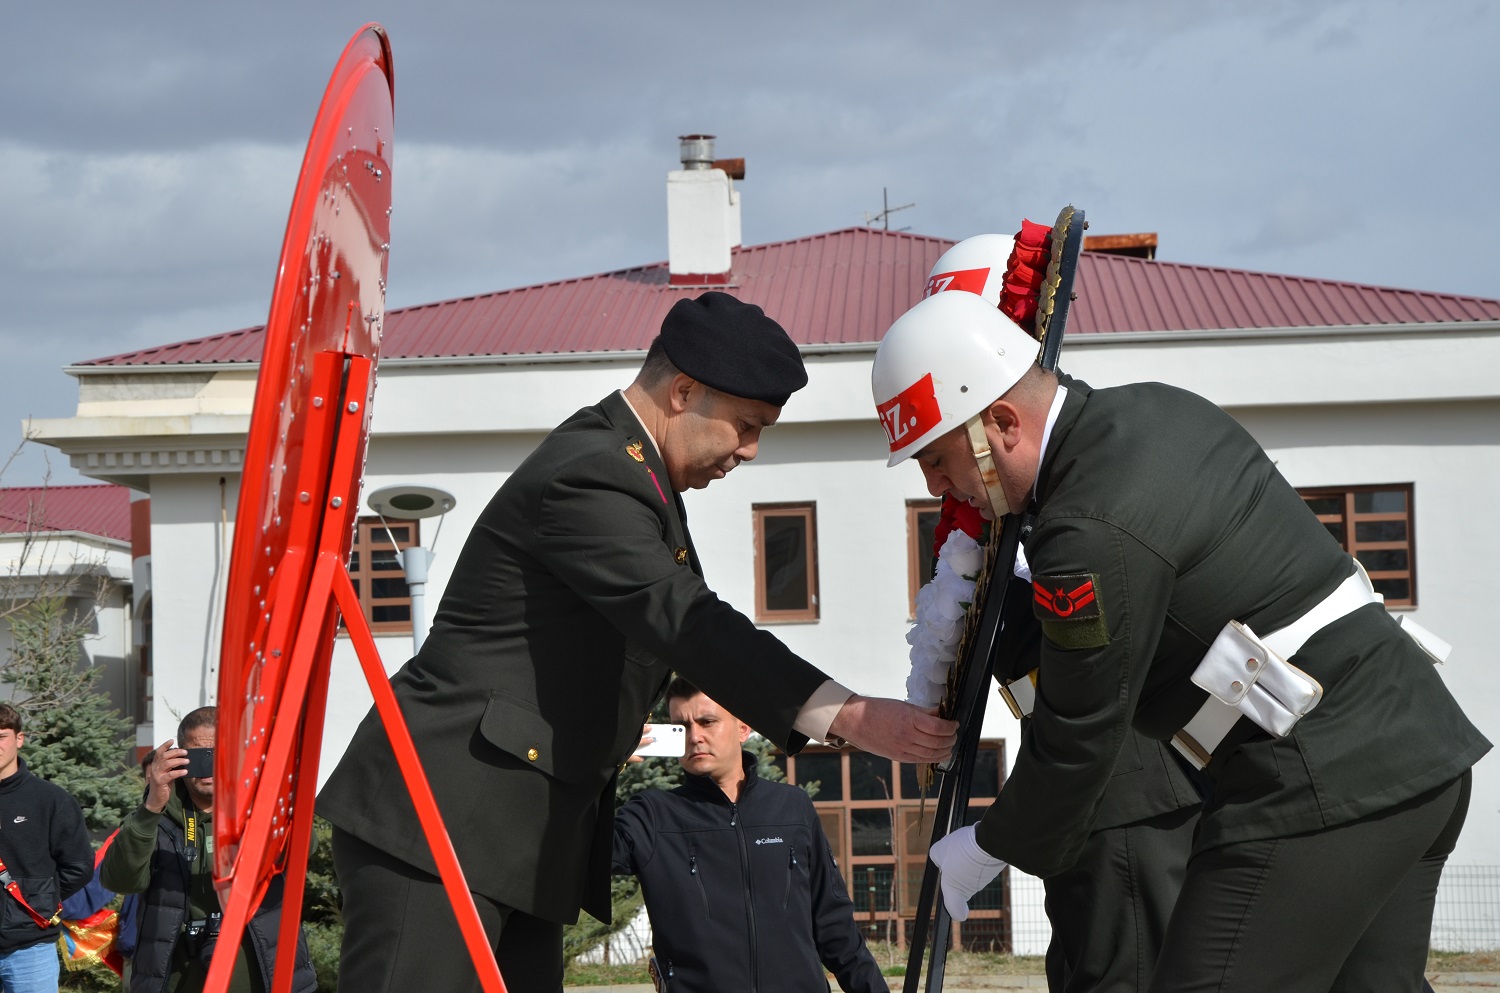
(148, 152)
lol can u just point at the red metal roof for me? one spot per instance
(101, 510)
(847, 287)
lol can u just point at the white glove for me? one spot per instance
(966, 869)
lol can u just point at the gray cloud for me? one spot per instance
(150, 156)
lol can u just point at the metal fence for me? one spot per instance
(1029, 928)
(1465, 919)
(1467, 915)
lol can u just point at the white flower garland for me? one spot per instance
(941, 607)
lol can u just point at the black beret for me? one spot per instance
(733, 347)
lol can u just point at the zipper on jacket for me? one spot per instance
(693, 871)
(739, 831)
(791, 870)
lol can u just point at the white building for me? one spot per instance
(1380, 404)
(73, 543)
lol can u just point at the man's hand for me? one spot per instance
(895, 729)
(966, 869)
(167, 765)
(646, 739)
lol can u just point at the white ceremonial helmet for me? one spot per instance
(939, 367)
(975, 264)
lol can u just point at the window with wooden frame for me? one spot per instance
(921, 525)
(878, 820)
(375, 568)
(1375, 525)
(786, 561)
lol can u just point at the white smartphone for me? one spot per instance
(671, 740)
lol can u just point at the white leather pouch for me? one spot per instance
(1242, 672)
(1232, 664)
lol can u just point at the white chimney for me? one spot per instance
(703, 214)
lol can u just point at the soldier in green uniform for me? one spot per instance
(576, 595)
(1109, 910)
(1184, 589)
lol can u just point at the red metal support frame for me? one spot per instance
(279, 791)
(299, 498)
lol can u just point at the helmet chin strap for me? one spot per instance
(979, 443)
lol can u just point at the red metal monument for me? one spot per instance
(298, 505)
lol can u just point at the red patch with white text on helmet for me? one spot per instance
(972, 280)
(1070, 610)
(910, 413)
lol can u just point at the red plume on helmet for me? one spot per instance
(1024, 274)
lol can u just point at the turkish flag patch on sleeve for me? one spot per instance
(1070, 610)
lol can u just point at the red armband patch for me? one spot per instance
(1065, 598)
(1070, 610)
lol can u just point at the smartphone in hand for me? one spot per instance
(671, 740)
(200, 763)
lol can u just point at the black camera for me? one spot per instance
(204, 927)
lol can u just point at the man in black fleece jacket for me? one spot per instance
(48, 858)
(739, 881)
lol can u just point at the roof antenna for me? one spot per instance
(884, 217)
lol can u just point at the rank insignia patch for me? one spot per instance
(634, 451)
(1064, 598)
(1070, 610)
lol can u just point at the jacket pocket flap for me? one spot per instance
(517, 727)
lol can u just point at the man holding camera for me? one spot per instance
(46, 857)
(164, 851)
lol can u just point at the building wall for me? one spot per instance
(189, 559)
(47, 567)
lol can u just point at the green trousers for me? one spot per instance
(1109, 912)
(1344, 909)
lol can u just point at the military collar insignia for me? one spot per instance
(680, 555)
(636, 450)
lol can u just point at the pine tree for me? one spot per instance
(73, 737)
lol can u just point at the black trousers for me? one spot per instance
(401, 935)
(1109, 912)
(1347, 908)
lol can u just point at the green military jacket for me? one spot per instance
(1179, 522)
(575, 596)
(1147, 779)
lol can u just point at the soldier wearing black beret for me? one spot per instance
(732, 347)
(576, 595)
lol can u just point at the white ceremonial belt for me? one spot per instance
(1247, 675)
